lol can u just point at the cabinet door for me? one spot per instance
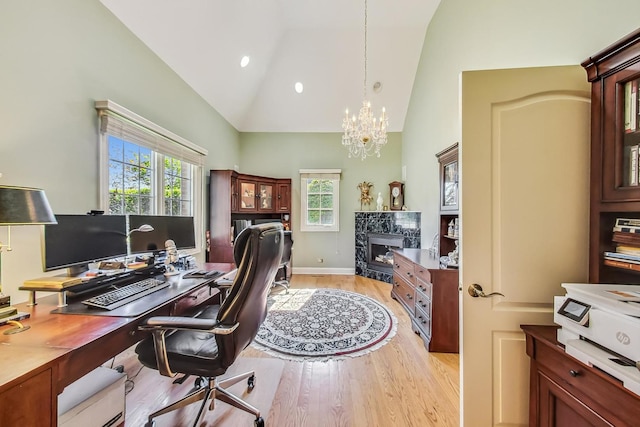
(283, 201)
(559, 408)
(234, 194)
(621, 136)
(265, 197)
(248, 196)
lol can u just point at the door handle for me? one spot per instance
(476, 291)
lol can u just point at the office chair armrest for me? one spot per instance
(159, 325)
(170, 323)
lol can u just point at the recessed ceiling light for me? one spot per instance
(244, 61)
(299, 88)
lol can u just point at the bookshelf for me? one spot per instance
(614, 74)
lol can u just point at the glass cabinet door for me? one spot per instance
(265, 197)
(621, 137)
(247, 196)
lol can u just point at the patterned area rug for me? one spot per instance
(322, 324)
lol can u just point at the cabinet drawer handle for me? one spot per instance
(409, 296)
(574, 373)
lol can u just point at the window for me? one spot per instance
(320, 199)
(146, 169)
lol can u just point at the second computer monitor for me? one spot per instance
(180, 229)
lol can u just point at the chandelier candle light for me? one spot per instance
(364, 135)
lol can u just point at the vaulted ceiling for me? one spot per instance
(318, 43)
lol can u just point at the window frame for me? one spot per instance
(124, 124)
(323, 174)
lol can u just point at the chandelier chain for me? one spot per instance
(364, 94)
(364, 135)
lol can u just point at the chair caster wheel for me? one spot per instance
(259, 422)
(251, 383)
(198, 382)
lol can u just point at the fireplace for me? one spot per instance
(380, 250)
(398, 229)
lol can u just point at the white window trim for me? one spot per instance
(165, 142)
(333, 174)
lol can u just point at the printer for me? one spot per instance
(600, 326)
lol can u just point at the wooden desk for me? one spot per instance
(58, 349)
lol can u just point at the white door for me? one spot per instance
(524, 216)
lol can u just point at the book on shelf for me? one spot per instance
(627, 222)
(630, 250)
(635, 230)
(633, 165)
(630, 106)
(622, 264)
(621, 256)
(630, 239)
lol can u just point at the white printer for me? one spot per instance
(600, 326)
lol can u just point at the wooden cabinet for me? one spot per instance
(614, 74)
(448, 220)
(430, 296)
(566, 392)
(283, 195)
(234, 196)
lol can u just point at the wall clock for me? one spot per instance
(397, 195)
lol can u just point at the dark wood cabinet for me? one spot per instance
(566, 392)
(614, 74)
(234, 196)
(449, 227)
(430, 296)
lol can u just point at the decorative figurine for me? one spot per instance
(379, 202)
(365, 197)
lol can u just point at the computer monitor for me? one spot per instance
(77, 240)
(180, 229)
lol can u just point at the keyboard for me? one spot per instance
(125, 294)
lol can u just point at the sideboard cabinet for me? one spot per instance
(234, 196)
(564, 392)
(429, 294)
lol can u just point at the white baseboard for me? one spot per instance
(317, 270)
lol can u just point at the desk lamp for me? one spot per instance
(20, 206)
(144, 228)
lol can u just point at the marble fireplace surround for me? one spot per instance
(403, 223)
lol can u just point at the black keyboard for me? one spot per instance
(125, 294)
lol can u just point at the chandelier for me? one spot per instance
(364, 135)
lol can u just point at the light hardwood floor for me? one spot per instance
(400, 384)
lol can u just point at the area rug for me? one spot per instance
(323, 324)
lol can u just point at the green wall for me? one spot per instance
(284, 154)
(475, 35)
(57, 58)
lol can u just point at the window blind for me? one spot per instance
(118, 121)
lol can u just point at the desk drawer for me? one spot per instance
(424, 287)
(423, 322)
(422, 273)
(404, 292)
(192, 299)
(403, 268)
(423, 301)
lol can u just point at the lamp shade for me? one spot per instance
(23, 205)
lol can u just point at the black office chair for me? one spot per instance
(282, 277)
(207, 343)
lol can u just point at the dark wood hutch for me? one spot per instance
(235, 197)
(564, 391)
